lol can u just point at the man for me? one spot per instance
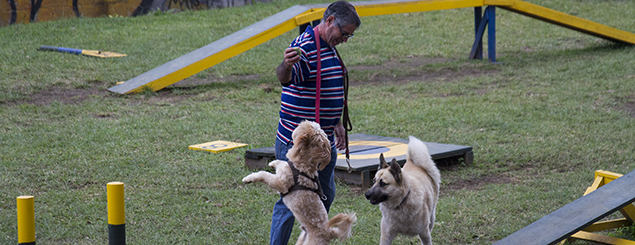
(297, 74)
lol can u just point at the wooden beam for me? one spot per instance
(214, 53)
(564, 20)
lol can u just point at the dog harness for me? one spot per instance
(296, 186)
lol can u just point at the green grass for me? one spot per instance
(560, 106)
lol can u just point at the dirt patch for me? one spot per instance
(410, 61)
(629, 105)
(189, 82)
(414, 69)
(473, 183)
(65, 96)
(408, 67)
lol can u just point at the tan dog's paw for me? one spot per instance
(249, 179)
(274, 164)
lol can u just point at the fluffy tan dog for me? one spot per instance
(301, 191)
(407, 196)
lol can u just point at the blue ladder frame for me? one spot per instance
(481, 20)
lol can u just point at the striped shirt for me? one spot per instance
(297, 102)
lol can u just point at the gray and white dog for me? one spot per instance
(407, 196)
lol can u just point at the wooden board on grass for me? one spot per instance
(216, 146)
(364, 152)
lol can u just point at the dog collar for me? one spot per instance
(404, 199)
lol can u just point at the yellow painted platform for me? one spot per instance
(216, 146)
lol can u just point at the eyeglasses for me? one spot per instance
(345, 35)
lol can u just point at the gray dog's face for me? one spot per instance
(387, 181)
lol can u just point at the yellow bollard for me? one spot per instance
(116, 214)
(26, 220)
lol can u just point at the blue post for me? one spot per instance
(477, 46)
(490, 11)
(478, 16)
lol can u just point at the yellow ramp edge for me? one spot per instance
(278, 24)
(564, 20)
(213, 53)
(260, 32)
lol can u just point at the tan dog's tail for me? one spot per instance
(419, 155)
(342, 224)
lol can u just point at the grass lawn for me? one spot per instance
(560, 105)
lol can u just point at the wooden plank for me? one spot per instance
(213, 53)
(588, 236)
(262, 31)
(578, 214)
(606, 177)
(365, 156)
(373, 8)
(386, 7)
(276, 25)
(564, 20)
(438, 151)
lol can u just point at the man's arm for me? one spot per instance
(286, 67)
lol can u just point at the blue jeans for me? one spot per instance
(282, 218)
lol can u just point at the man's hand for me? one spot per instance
(291, 57)
(340, 140)
(284, 69)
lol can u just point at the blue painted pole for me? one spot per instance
(478, 16)
(490, 11)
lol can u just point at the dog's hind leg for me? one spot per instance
(302, 237)
(425, 238)
(386, 239)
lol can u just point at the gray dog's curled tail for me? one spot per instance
(419, 155)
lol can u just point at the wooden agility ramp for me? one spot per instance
(364, 156)
(610, 192)
(273, 26)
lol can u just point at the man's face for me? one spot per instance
(337, 34)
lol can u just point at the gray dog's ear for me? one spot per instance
(395, 170)
(382, 162)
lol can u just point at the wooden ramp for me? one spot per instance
(271, 27)
(262, 31)
(578, 217)
(364, 156)
(564, 20)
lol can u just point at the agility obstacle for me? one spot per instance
(299, 15)
(578, 219)
(116, 216)
(26, 220)
(364, 156)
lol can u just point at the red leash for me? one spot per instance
(318, 85)
(318, 79)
